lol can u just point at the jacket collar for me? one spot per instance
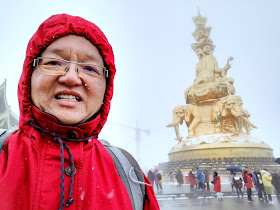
(51, 123)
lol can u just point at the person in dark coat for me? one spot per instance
(151, 177)
(276, 183)
(171, 177)
(258, 183)
(179, 178)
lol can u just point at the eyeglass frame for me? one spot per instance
(36, 63)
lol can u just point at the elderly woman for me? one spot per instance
(64, 95)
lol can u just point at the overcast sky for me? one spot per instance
(151, 40)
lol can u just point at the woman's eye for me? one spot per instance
(53, 63)
(91, 69)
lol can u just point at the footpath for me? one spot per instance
(175, 191)
(181, 198)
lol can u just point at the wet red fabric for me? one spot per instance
(30, 160)
(217, 184)
(191, 179)
(248, 178)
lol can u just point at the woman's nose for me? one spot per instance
(71, 76)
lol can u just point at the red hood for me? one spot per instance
(53, 28)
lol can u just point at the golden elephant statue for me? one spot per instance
(178, 118)
(190, 115)
(229, 116)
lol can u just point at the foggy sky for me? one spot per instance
(155, 63)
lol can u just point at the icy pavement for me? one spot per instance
(179, 197)
(229, 203)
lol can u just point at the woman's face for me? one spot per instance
(73, 97)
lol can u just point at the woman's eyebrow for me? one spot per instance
(61, 52)
(91, 56)
(55, 50)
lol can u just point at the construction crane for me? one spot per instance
(137, 137)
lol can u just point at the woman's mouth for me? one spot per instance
(68, 97)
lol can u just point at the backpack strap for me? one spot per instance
(125, 164)
(137, 169)
(4, 134)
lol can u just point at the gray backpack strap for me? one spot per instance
(137, 169)
(4, 134)
(128, 171)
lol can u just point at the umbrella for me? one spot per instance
(277, 160)
(234, 169)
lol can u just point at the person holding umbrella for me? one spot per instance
(238, 184)
(232, 169)
(230, 179)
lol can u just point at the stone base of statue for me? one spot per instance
(218, 126)
(211, 90)
(220, 146)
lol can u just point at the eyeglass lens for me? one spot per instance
(55, 66)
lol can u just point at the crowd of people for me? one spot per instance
(264, 183)
(199, 180)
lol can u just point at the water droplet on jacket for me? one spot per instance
(49, 142)
(82, 195)
(25, 158)
(53, 37)
(85, 84)
(92, 168)
(110, 195)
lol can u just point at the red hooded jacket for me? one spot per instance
(31, 159)
(217, 183)
(247, 177)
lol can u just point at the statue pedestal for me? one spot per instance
(215, 118)
(206, 91)
(220, 146)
